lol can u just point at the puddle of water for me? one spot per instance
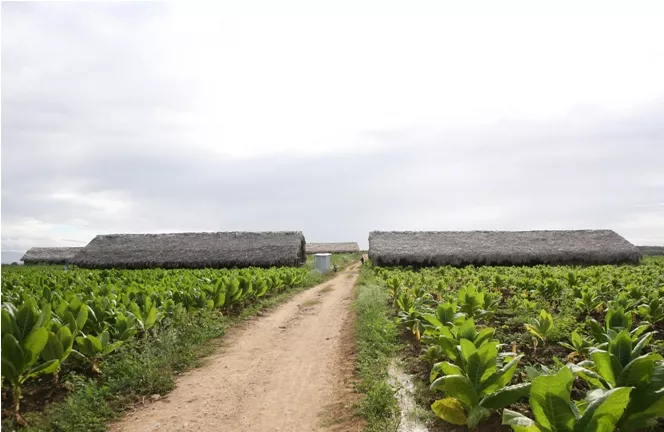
(404, 387)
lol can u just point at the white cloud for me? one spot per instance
(136, 117)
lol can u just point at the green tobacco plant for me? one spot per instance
(125, 327)
(622, 364)
(540, 326)
(24, 337)
(394, 286)
(409, 316)
(405, 301)
(637, 293)
(550, 289)
(146, 315)
(579, 345)
(448, 340)
(61, 335)
(475, 304)
(653, 309)
(95, 348)
(588, 301)
(533, 371)
(554, 411)
(616, 320)
(480, 386)
(445, 315)
(58, 348)
(623, 301)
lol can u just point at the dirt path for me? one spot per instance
(290, 370)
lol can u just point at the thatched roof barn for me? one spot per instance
(194, 250)
(461, 248)
(648, 250)
(314, 248)
(50, 255)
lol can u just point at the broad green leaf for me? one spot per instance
(476, 415)
(483, 336)
(444, 368)
(70, 321)
(550, 401)
(467, 330)
(445, 331)
(545, 321)
(9, 371)
(637, 332)
(104, 338)
(605, 365)
(111, 347)
(467, 348)
(482, 364)
(642, 415)
(458, 387)
(35, 343)
(42, 369)
(136, 311)
(592, 377)
(450, 410)
(26, 318)
(53, 349)
(605, 407)
(506, 396)
(576, 339)
(519, 422)
(433, 320)
(533, 330)
(616, 318)
(596, 330)
(220, 299)
(89, 345)
(568, 346)
(12, 356)
(446, 313)
(449, 347)
(82, 317)
(44, 316)
(637, 372)
(621, 347)
(8, 324)
(643, 341)
(646, 403)
(66, 338)
(502, 377)
(151, 319)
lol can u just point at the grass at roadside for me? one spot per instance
(377, 344)
(142, 368)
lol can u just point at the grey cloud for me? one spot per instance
(86, 126)
(581, 182)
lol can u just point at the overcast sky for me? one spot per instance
(148, 117)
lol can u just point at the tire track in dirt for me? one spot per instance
(289, 370)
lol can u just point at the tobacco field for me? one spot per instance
(56, 321)
(545, 348)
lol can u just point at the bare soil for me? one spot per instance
(288, 370)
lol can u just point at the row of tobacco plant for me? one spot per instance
(54, 319)
(612, 377)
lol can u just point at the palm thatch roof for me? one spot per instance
(50, 255)
(651, 250)
(194, 250)
(461, 248)
(314, 248)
